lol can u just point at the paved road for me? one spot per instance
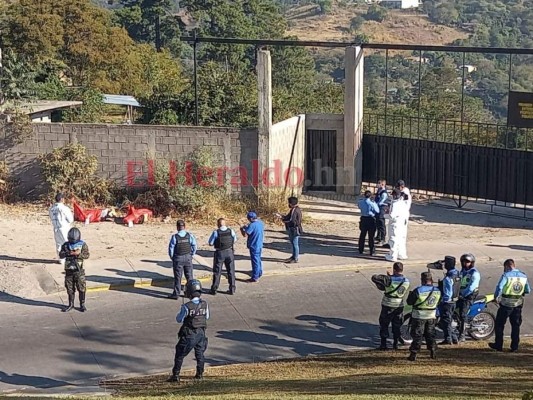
(43, 350)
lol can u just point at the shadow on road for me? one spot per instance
(9, 298)
(30, 380)
(513, 246)
(4, 257)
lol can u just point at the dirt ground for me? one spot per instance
(26, 237)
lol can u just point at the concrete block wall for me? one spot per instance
(287, 152)
(116, 146)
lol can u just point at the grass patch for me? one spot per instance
(470, 371)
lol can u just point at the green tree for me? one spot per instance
(356, 23)
(376, 13)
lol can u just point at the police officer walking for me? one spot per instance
(510, 292)
(450, 287)
(181, 249)
(369, 210)
(194, 315)
(424, 300)
(223, 239)
(392, 303)
(75, 251)
(470, 279)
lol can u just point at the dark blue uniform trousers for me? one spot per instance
(192, 339)
(179, 265)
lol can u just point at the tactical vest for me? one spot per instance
(395, 292)
(426, 304)
(74, 263)
(224, 240)
(456, 287)
(196, 315)
(183, 245)
(467, 278)
(513, 291)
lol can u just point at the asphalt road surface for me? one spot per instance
(134, 332)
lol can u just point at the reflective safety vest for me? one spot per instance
(513, 291)
(466, 278)
(426, 304)
(395, 292)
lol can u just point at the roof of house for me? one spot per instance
(38, 106)
(121, 100)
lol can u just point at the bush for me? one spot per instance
(7, 185)
(376, 13)
(71, 170)
(528, 395)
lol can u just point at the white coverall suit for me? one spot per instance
(61, 217)
(399, 216)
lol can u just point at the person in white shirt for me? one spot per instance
(405, 190)
(62, 218)
(399, 215)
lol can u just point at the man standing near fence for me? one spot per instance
(369, 209)
(61, 217)
(381, 200)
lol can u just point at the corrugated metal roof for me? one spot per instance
(121, 100)
(38, 106)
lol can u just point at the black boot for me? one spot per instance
(395, 344)
(70, 303)
(433, 354)
(412, 357)
(199, 374)
(82, 302)
(174, 378)
(383, 345)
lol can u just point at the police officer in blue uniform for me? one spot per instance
(424, 300)
(510, 292)
(470, 279)
(181, 249)
(194, 316)
(450, 287)
(382, 200)
(395, 288)
(223, 239)
(369, 210)
(255, 231)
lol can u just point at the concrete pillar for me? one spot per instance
(353, 120)
(264, 85)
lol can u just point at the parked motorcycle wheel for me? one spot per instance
(405, 330)
(482, 326)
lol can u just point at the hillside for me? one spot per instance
(406, 27)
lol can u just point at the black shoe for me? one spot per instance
(395, 344)
(433, 354)
(173, 378)
(82, 307)
(514, 350)
(445, 342)
(213, 291)
(461, 338)
(401, 341)
(293, 261)
(198, 377)
(68, 308)
(288, 260)
(383, 345)
(231, 292)
(494, 347)
(387, 246)
(372, 253)
(412, 357)
(455, 341)
(172, 296)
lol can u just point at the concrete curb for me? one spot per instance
(142, 283)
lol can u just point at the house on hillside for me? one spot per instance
(400, 4)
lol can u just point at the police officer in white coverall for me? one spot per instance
(399, 215)
(61, 217)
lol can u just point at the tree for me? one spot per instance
(356, 23)
(325, 6)
(376, 13)
(17, 80)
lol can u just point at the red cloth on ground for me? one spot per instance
(81, 215)
(135, 215)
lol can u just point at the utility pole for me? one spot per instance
(158, 32)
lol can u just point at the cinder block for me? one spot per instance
(63, 136)
(169, 140)
(127, 146)
(210, 142)
(108, 168)
(50, 136)
(197, 141)
(93, 138)
(183, 140)
(115, 160)
(56, 128)
(59, 143)
(135, 139)
(133, 154)
(45, 144)
(189, 149)
(158, 140)
(111, 153)
(119, 139)
(175, 149)
(42, 128)
(162, 147)
(113, 146)
(141, 146)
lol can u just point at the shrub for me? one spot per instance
(376, 13)
(71, 170)
(7, 185)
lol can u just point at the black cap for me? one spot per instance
(59, 197)
(180, 223)
(449, 263)
(426, 276)
(400, 183)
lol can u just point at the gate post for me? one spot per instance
(264, 86)
(353, 120)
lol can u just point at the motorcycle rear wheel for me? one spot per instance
(482, 326)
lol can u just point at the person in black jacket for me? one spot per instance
(293, 224)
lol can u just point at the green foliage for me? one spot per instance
(189, 191)
(356, 23)
(17, 79)
(71, 170)
(19, 128)
(325, 6)
(7, 184)
(528, 395)
(376, 13)
(90, 111)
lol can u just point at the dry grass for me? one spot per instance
(401, 27)
(471, 371)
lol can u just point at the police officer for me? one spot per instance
(470, 279)
(369, 210)
(194, 315)
(450, 287)
(255, 231)
(181, 249)
(424, 300)
(75, 251)
(510, 292)
(395, 288)
(223, 239)
(381, 199)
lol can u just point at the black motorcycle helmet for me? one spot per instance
(468, 257)
(194, 288)
(74, 235)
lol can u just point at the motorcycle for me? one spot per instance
(481, 319)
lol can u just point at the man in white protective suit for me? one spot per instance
(399, 216)
(61, 217)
